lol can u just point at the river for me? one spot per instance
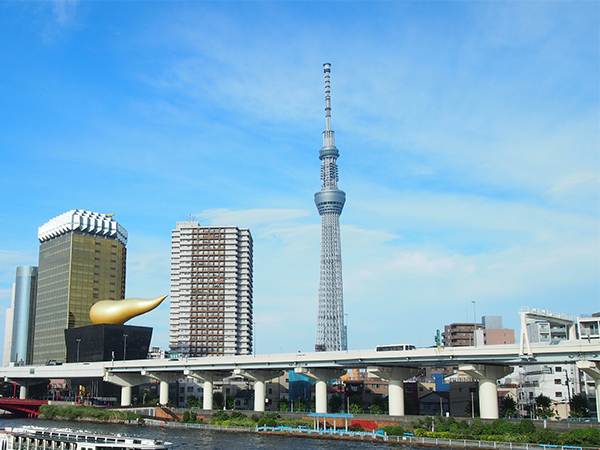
(186, 439)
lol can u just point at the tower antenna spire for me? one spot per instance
(327, 70)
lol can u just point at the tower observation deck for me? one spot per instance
(330, 202)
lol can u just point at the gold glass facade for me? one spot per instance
(75, 271)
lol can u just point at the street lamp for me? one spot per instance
(124, 346)
(78, 341)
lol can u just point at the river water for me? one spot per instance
(187, 439)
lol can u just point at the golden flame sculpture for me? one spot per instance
(117, 312)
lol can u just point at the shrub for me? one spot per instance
(547, 437)
(394, 430)
(420, 432)
(476, 427)
(266, 422)
(219, 417)
(526, 426)
(492, 437)
(500, 426)
(582, 436)
(443, 434)
(423, 422)
(461, 426)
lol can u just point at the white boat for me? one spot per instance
(34, 438)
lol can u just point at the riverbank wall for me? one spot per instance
(365, 421)
(412, 441)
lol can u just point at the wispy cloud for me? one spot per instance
(251, 217)
(64, 10)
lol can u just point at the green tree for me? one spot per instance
(380, 403)
(543, 408)
(218, 400)
(356, 406)
(335, 403)
(301, 404)
(356, 400)
(469, 409)
(375, 409)
(355, 409)
(283, 404)
(507, 406)
(579, 406)
(193, 401)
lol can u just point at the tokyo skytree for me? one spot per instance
(331, 334)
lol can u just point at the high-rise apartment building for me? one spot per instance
(460, 334)
(331, 332)
(211, 290)
(24, 315)
(82, 260)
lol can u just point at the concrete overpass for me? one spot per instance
(487, 364)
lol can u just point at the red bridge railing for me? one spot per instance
(22, 407)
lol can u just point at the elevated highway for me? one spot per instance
(486, 364)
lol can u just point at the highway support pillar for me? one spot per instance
(591, 368)
(208, 377)
(487, 375)
(23, 384)
(259, 377)
(164, 378)
(126, 381)
(321, 376)
(395, 377)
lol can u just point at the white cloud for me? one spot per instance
(64, 10)
(418, 263)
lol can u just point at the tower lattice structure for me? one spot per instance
(331, 332)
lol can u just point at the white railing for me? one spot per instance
(464, 443)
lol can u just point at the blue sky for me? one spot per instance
(468, 134)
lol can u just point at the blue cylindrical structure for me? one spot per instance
(24, 315)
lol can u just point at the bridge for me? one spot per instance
(487, 364)
(22, 407)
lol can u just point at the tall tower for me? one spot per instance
(330, 202)
(24, 315)
(82, 260)
(211, 290)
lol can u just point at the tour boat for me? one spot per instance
(30, 438)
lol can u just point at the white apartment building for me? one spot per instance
(588, 327)
(211, 291)
(558, 382)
